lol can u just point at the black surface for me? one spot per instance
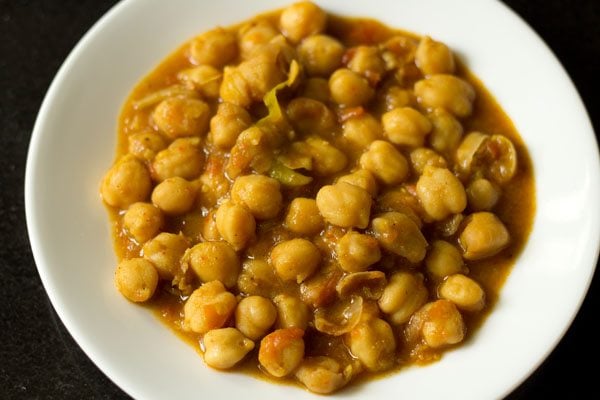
(38, 357)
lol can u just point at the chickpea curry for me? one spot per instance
(316, 199)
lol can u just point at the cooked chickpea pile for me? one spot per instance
(310, 200)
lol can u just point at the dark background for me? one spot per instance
(38, 357)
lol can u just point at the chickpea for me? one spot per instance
(254, 316)
(284, 51)
(385, 162)
(235, 88)
(326, 158)
(257, 278)
(291, 312)
(401, 199)
(316, 88)
(402, 48)
(398, 233)
(362, 130)
(397, 97)
(349, 88)
(136, 279)
(182, 158)
(463, 291)
(357, 252)
(446, 91)
(249, 81)
(404, 294)
(422, 157)
(466, 152)
(439, 323)
(145, 145)
(165, 251)
(484, 235)
(217, 48)
(434, 57)
(301, 20)
(208, 307)
(373, 343)
(225, 347)
(214, 261)
(344, 205)
(446, 133)
(227, 124)
(203, 78)
(443, 259)
(212, 186)
(235, 224)
(127, 182)
(281, 351)
(366, 61)
(361, 178)
(142, 221)
(259, 193)
(440, 193)
(320, 54)
(321, 375)
(497, 159)
(405, 126)
(310, 116)
(209, 230)
(174, 196)
(303, 217)
(482, 195)
(178, 117)
(295, 259)
(253, 149)
(256, 36)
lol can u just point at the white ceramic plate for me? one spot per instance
(73, 145)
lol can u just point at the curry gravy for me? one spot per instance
(516, 207)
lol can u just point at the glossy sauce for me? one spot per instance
(516, 207)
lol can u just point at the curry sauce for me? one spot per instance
(514, 207)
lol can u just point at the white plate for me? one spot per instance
(73, 145)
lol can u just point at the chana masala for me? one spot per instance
(316, 199)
